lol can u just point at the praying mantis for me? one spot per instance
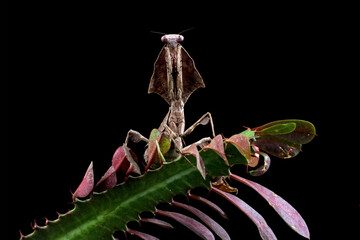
(175, 78)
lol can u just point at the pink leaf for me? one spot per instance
(209, 203)
(130, 170)
(264, 230)
(142, 235)
(217, 145)
(120, 163)
(158, 222)
(192, 150)
(220, 231)
(118, 159)
(283, 208)
(87, 184)
(242, 144)
(198, 228)
(107, 181)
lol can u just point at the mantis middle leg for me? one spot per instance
(203, 121)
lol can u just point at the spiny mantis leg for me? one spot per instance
(135, 137)
(200, 142)
(164, 122)
(203, 121)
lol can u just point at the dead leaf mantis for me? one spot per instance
(175, 78)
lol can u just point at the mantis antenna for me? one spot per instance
(162, 33)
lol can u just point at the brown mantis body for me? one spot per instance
(175, 78)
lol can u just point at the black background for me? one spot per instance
(75, 78)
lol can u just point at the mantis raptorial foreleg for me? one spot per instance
(203, 121)
(135, 137)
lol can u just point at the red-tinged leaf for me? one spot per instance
(86, 185)
(118, 159)
(120, 162)
(264, 230)
(220, 231)
(107, 181)
(264, 168)
(131, 159)
(283, 208)
(217, 144)
(278, 147)
(158, 222)
(195, 226)
(130, 170)
(242, 144)
(142, 235)
(192, 150)
(209, 203)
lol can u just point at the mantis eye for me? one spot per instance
(180, 38)
(164, 39)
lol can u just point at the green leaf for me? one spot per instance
(242, 144)
(281, 140)
(249, 133)
(164, 144)
(155, 135)
(278, 129)
(302, 134)
(234, 156)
